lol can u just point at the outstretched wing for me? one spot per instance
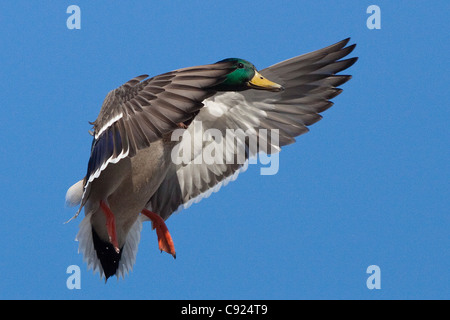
(310, 81)
(143, 110)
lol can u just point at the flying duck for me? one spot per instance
(134, 173)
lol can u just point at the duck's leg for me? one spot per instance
(182, 125)
(164, 239)
(110, 225)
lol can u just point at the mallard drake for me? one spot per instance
(131, 174)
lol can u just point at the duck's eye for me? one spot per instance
(240, 65)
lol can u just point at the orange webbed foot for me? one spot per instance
(164, 238)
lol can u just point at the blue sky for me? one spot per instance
(369, 185)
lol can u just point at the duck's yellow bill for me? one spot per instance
(261, 83)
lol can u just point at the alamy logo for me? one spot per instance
(374, 21)
(74, 280)
(74, 20)
(374, 281)
(230, 146)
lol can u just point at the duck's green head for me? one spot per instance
(246, 77)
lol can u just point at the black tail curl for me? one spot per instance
(108, 257)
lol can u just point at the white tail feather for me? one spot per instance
(74, 194)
